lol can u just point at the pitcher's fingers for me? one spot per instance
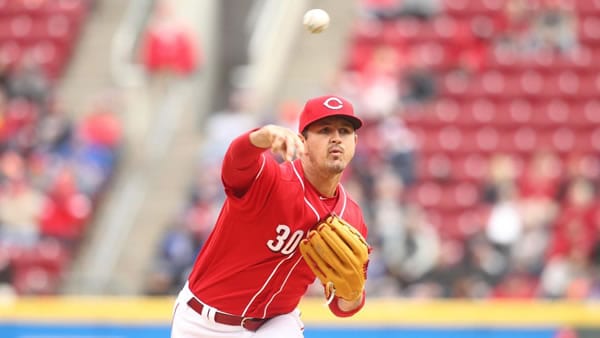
(300, 150)
(278, 144)
(290, 148)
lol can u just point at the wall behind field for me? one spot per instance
(72, 317)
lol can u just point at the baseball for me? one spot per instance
(316, 20)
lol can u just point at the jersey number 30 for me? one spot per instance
(285, 242)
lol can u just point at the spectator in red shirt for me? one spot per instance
(575, 225)
(168, 46)
(66, 210)
(539, 188)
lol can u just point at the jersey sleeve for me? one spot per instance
(241, 165)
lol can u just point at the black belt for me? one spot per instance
(249, 323)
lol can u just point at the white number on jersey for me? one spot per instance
(285, 243)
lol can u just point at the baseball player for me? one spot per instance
(250, 274)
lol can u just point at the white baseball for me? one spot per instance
(316, 20)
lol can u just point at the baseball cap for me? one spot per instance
(325, 106)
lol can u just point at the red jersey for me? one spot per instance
(250, 265)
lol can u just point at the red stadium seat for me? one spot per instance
(494, 84)
(564, 139)
(452, 6)
(427, 194)
(469, 167)
(592, 112)
(568, 84)
(488, 139)
(519, 112)
(401, 32)
(49, 56)
(591, 7)
(447, 111)
(39, 270)
(478, 112)
(462, 215)
(432, 55)
(551, 114)
(531, 84)
(74, 10)
(426, 119)
(365, 30)
(15, 8)
(580, 60)
(465, 195)
(436, 166)
(61, 28)
(590, 86)
(503, 60)
(448, 138)
(594, 140)
(589, 32)
(10, 53)
(450, 199)
(454, 85)
(445, 28)
(4, 11)
(585, 114)
(473, 220)
(21, 26)
(523, 140)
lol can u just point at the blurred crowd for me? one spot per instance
(54, 167)
(529, 225)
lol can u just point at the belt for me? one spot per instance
(249, 323)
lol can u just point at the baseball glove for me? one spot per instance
(338, 255)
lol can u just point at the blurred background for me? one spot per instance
(478, 168)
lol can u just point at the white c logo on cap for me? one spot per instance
(338, 103)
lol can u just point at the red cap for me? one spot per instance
(324, 106)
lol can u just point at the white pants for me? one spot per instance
(187, 323)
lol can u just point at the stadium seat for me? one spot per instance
(10, 53)
(478, 112)
(20, 26)
(591, 7)
(590, 85)
(447, 111)
(514, 113)
(427, 194)
(50, 57)
(523, 140)
(445, 28)
(469, 167)
(531, 84)
(592, 111)
(589, 32)
(38, 270)
(403, 32)
(585, 114)
(551, 114)
(435, 167)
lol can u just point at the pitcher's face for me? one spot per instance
(330, 144)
